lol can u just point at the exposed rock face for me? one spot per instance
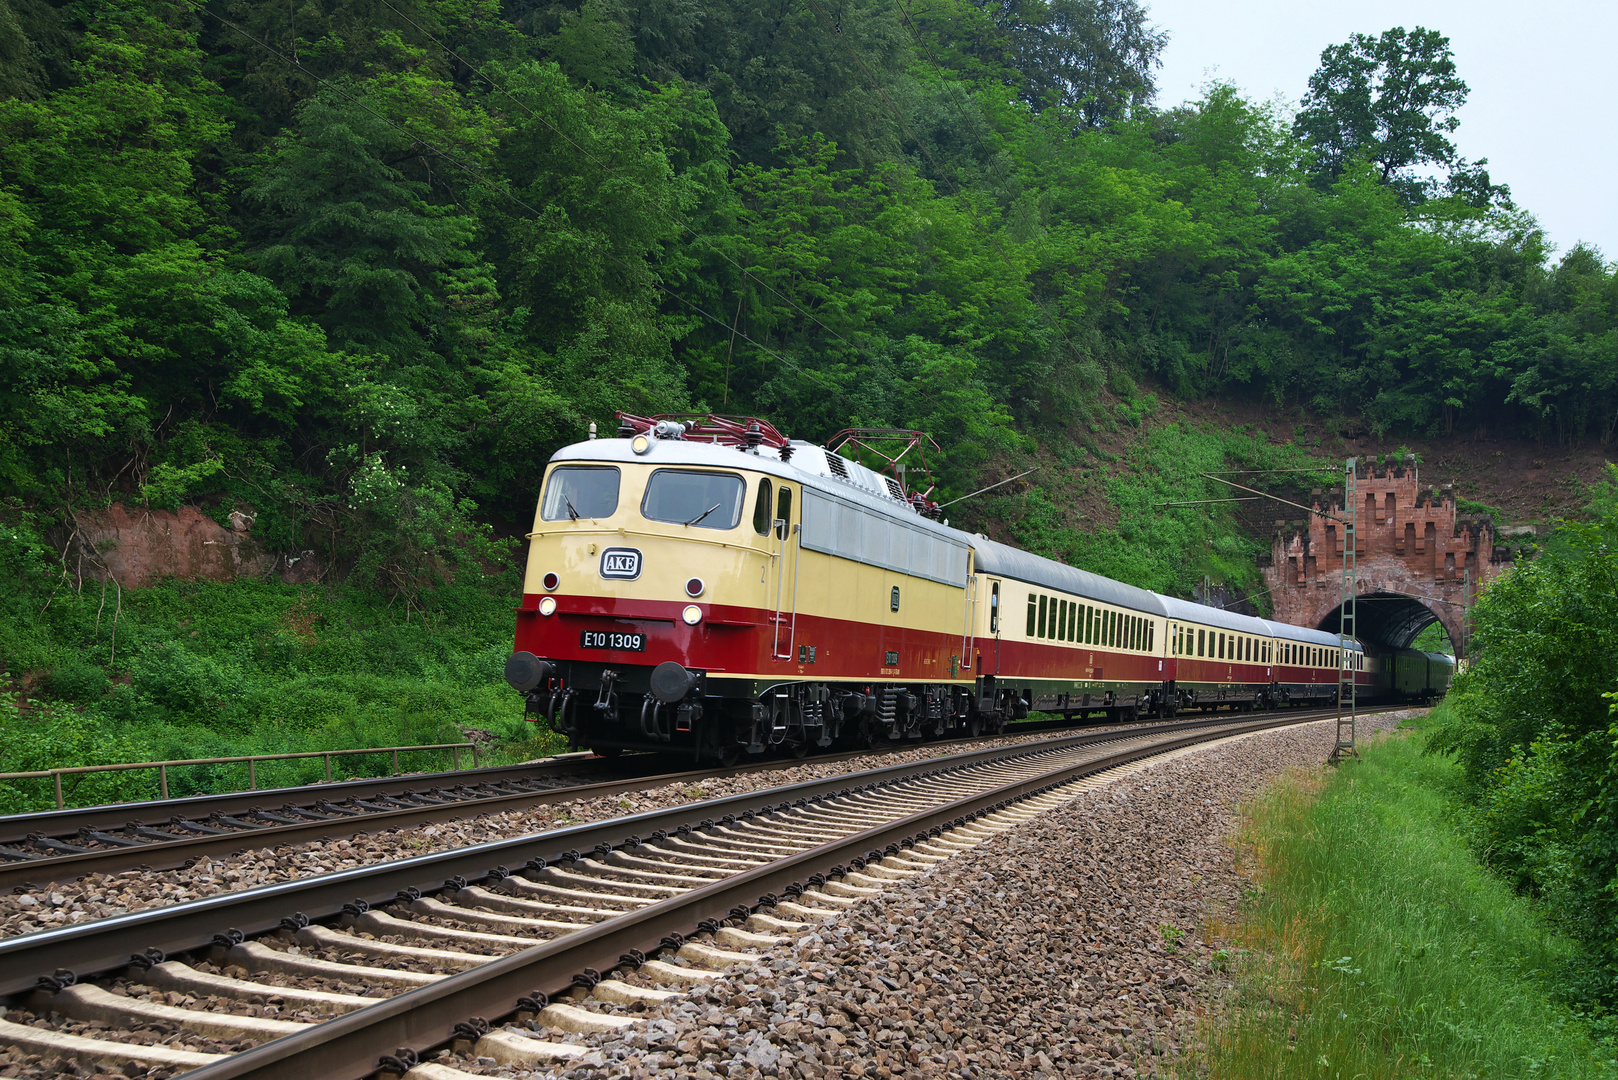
(1410, 543)
(138, 547)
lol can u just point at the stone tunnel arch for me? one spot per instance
(1391, 620)
(1418, 559)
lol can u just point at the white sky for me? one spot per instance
(1543, 79)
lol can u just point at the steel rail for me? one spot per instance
(170, 854)
(349, 1046)
(15, 828)
(106, 944)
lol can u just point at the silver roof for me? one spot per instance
(808, 465)
(998, 558)
(1190, 611)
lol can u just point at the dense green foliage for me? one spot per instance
(360, 266)
(211, 670)
(369, 261)
(1378, 946)
(1533, 727)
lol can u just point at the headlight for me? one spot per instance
(640, 444)
(692, 614)
(547, 605)
(550, 581)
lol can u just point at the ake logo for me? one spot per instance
(621, 563)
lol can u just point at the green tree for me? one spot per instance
(1391, 101)
(1096, 57)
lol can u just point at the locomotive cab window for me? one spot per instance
(761, 508)
(783, 513)
(994, 607)
(580, 491)
(702, 500)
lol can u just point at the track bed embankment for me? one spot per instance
(1039, 953)
(64, 902)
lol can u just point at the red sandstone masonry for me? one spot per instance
(1410, 540)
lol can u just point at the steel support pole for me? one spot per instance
(1347, 628)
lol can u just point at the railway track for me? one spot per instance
(369, 970)
(61, 845)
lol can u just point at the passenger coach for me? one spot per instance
(707, 585)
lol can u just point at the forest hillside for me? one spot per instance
(347, 272)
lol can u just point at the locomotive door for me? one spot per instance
(991, 666)
(784, 592)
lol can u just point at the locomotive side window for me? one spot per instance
(703, 500)
(761, 508)
(994, 607)
(783, 513)
(1199, 641)
(1042, 602)
(1030, 614)
(580, 491)
(1073, 623)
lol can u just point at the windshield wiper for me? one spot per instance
(704, 514)
(572, 514)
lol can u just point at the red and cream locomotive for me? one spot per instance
(708, 586)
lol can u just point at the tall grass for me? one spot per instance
(203, 669)
(1374, 946)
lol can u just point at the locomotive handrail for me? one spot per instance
(252, 760)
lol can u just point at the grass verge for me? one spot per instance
(1375, 946)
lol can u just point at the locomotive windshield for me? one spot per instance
(580, 491)
(703, 499)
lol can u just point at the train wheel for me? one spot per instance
(800, 749)
(729, 755)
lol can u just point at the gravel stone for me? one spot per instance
(98, 896)
(1039, 953)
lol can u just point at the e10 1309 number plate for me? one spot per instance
(611, 639)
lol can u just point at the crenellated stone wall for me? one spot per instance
(1411, 541)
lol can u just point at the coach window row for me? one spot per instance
(1052, 618)
(1218, 645)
